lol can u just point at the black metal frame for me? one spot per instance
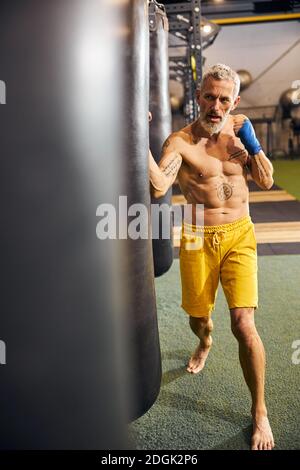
(184, 22)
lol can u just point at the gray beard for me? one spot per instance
(210, 127)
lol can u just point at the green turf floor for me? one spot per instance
(211, 410)
(287, 175)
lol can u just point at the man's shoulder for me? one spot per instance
(175, 142)
(182, 135)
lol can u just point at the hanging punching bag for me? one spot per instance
(160, 128)
(146, 361)
(63, 301)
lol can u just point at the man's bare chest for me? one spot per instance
(227, 157)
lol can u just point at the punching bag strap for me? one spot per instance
(157, 9)
(165, 22)
(152, 16)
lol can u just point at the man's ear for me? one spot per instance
(236, 102)
(198, 94)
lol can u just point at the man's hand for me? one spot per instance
(244, 130)
(238, 121)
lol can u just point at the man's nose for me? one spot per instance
(216, 105)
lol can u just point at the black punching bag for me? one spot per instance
(146, 361)
(63, 300)
(160, 129)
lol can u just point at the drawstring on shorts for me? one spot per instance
(217, 231)
(216, 240)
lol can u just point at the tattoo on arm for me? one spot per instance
(166, 144)
(172, 167)
(262, 171)
(158, 176)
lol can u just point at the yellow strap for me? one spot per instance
(255, 19)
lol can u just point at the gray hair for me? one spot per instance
(222, 72)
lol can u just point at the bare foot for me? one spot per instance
(262, 438)
(197, 361)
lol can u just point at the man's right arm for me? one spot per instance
(163, 175)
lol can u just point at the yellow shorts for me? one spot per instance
(222, 252)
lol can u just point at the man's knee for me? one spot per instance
(242, 323)
(204, 324)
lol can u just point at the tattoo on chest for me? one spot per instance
(238, 154)
(224, 191)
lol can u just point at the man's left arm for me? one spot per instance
(261, 170)
(260, 167)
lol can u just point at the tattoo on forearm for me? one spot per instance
(262, 168)
(173, 166)
(224, 191)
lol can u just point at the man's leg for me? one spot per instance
(202, 327)
(252, 359)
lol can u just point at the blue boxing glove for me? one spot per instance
(247, 136)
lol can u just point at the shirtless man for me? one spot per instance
(211, 158)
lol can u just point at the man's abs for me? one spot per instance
(225, 197)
